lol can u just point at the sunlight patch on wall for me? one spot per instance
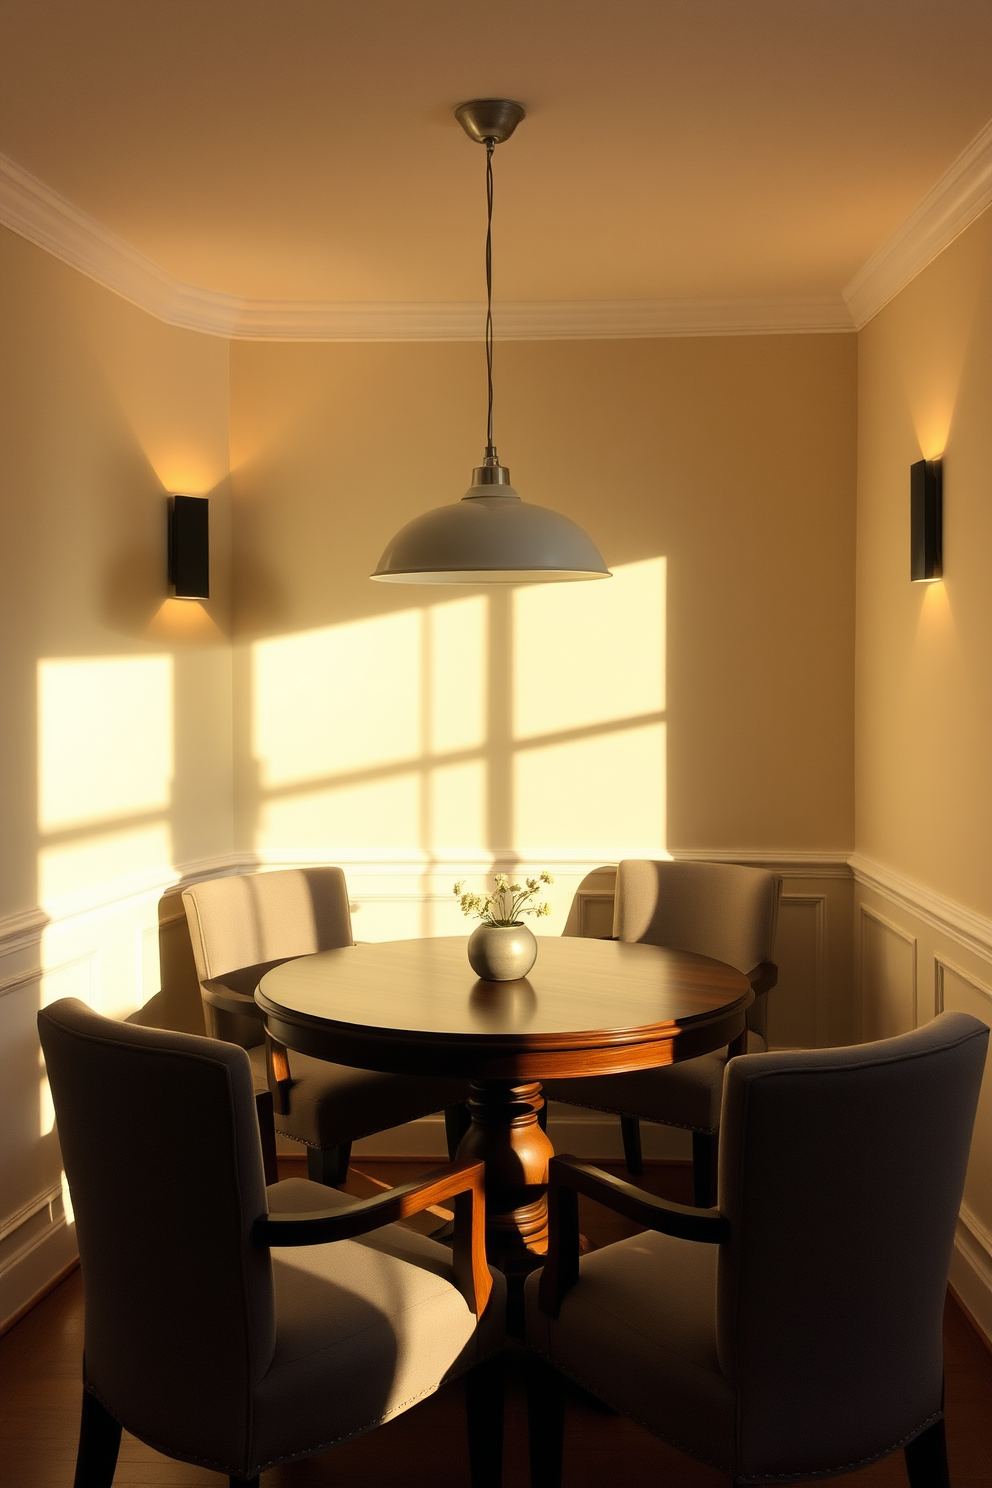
(456, 636)
(339, 699)
(535, 717)
(606, 791)
(457, 806)
(104, 738)
(589, 653)
(374, 814)
(75, 868)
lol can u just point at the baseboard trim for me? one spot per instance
(39, 1296)
(970, 1318)
(33, 1273)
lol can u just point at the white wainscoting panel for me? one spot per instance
(794, 1006)
(888, 977)
(952, 948)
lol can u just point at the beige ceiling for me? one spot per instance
(305, 149)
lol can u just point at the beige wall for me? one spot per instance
(115, 753)
(924, 652)
(923, 900)
(718, 477)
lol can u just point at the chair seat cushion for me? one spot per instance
(638, 1330)
(364, 1329)
(687, 1094)
(332, 1103)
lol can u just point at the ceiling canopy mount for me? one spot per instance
(490, 119)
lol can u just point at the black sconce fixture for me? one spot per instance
(926, 520)
(189, 547)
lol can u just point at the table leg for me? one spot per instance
(506, 1136)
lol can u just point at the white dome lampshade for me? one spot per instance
(490, 536)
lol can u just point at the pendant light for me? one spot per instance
(490, 536)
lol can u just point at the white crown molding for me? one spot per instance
(51, 222)
(962, 193)
(33, 210)
(966, 926)
(549, 320)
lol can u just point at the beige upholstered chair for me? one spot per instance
(713, 909)
(796, 1332)
(242, 926)
(221, 1328)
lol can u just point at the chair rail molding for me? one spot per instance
(22, 931)
(953, 203)
(969, 928)
(787, 863)
(31, 208)
(942, 966)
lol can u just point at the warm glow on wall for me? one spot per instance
(183, 622)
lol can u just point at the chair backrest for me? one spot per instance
(841, 1173)
(161, 1151)
(248, 922)
(713, 909)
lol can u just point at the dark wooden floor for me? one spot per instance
(39, 1410)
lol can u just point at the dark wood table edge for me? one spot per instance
(527, 1056)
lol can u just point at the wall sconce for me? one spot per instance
(926, 520)
(189, 547)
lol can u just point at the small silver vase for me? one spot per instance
(501, 953)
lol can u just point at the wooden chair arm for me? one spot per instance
(567, 1178)
(463, 1182)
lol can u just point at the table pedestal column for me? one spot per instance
(505, 1135)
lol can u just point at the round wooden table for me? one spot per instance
(415, 1007)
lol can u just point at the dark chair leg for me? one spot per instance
(926, 1459)
(329, 1164)
(267, 1132)
(545, 1423)
(243, 1482)
(704, 1156)
(630, 1130)
(484, 1389)
(456, 1123)
(99, 1443)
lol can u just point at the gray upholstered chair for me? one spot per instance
(796, 1331)
(242, 926)
(713, 909)
(221, 1328)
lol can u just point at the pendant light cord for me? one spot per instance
(490, 447)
